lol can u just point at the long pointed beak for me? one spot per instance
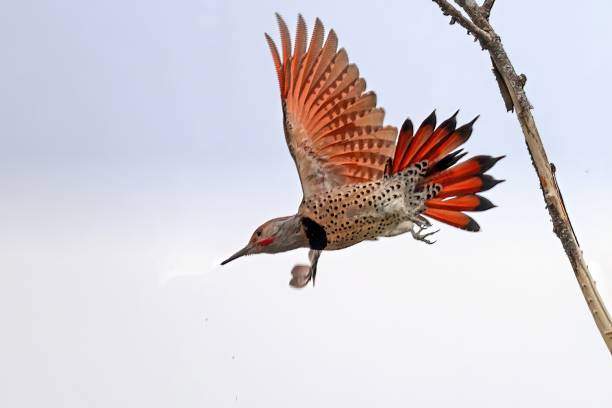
(238, 254)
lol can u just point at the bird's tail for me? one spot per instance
(459, 180)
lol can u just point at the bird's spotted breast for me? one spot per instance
(353, 213)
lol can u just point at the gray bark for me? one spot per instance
(476, 21)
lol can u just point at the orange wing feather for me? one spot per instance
(334, 130)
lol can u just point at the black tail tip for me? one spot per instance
(486, 162)
(489, 182)
(467, 128)
(494, 160)
(430, 120)
(472, 226)
(407, 126)
(484, 204)
(450, 123)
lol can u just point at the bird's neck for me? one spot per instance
(292, 234)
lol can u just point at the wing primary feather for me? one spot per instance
(277, 62)
(298, 53)
(333, 128)
(313, 55)
(286, 46)
(327, 54)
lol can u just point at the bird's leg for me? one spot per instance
(313, 256)
(302, 274)
(421, 221)
(419, 236)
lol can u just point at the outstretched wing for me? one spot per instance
(332, 126)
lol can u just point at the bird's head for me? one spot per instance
(273, 236)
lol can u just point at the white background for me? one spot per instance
(141, 143)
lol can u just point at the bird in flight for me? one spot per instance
(360, 179)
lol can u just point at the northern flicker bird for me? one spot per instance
(358, 182)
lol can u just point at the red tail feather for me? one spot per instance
(472, 202)
(475, 165)
(468, 186)
(454, 218)
(451, 142)
(424, 132)
(445, 129)
(404, 138)
(459, 181)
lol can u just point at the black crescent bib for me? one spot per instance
(317, 237)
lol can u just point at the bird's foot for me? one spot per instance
(419, 236)
(300, 276)
(421, 222)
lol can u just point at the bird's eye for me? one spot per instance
(258, 233)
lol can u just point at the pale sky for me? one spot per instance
(141, 143)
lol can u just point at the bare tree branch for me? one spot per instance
(474, 11)
(487, 5)
(511, 86)
(457, 16)
(503, 89)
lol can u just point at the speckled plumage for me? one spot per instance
(364, 211)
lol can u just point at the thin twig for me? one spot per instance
(487, 5)
(513, 83)
(457, 16)
(474, 11)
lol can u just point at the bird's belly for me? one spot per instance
(354, 213)
(347, 234)
(352, 227)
